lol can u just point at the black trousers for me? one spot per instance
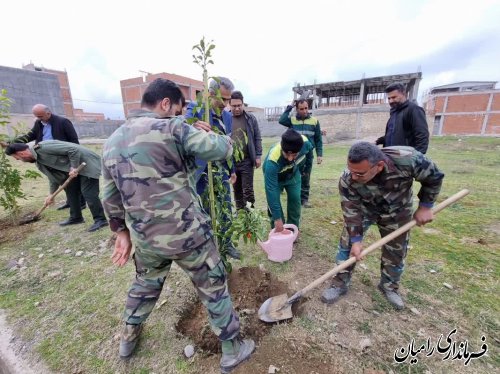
(89, 188)
(243, 188)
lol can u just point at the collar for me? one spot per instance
(33, 149)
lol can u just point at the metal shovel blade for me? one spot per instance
(276, 309)
(29, 218)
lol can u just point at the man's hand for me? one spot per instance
(73, 173)
(201, 125)
(278, 225)
(123, 247)
(320, 160)
(232, 178)
(423, 215)
(356, 249)
(257, 163)
(323, 132)
(49, 200)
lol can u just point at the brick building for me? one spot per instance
(65, 89)
(133, 88)
(469, 108)
(38, 85)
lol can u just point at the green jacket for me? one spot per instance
(54, 158)
(308, 126)
(278, 170)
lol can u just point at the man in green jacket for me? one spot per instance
(307, 125)
(58, 160)
(281, 171)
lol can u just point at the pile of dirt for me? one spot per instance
(249, 288)
(12, 231)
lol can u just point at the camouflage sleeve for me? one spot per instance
(112, 202)
(350, 203)
(207, 146)
(430, 177)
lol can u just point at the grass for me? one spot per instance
(69, 307)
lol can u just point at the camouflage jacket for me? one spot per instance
(389, 193)
(149, 184)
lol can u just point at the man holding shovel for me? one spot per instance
(376, 188)
(59, 160)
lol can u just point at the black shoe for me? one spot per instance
(97, 225)
(65, 206)
(71, 221)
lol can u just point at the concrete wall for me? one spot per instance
(341, 124)
(26, 88)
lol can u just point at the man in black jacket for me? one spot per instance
(49, 126)
(407, 124)
(246, 134)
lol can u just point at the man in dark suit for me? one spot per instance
(49, 126)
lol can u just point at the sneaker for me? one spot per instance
(332, 294)
(307, 204)
(128, 340)
(229, 361)
(233, 252)
(392, 297)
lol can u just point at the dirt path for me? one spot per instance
(11, 361)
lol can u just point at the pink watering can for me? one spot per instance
(279, 245)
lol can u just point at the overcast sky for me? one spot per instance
(265, 47)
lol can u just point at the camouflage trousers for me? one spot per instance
(393, 253)
(206, 270)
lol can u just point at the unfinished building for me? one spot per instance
(351, 109)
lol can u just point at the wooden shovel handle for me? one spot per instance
(61, 187)
(376, 245)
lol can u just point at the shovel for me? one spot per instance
(279, 307)
(36, 216)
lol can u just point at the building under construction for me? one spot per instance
(351, 109)
(365, 91)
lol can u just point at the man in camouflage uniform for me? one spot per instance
(151, 200)
(305, 124)
(376, 188)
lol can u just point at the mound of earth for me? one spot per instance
(249, 288)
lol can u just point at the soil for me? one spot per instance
(12, 231)
(249, 288)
